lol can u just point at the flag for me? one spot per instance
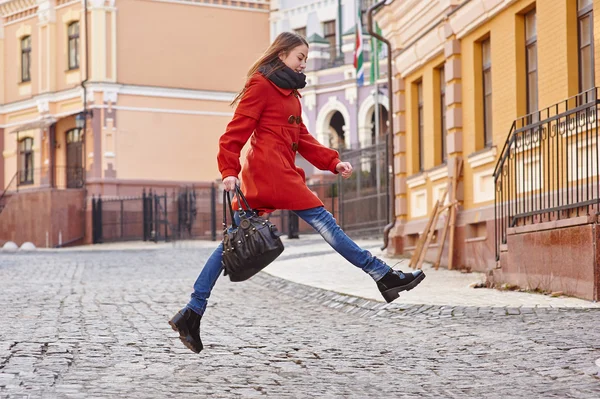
(358, 50)
(376, 46)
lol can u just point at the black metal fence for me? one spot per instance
(360, 205)
(363, 199)
(548, 169)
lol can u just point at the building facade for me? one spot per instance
(106, 97)
(508, 86)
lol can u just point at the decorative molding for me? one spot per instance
(110, 96)
(483, 157)
(115, 89)
(418, 203)
(438, 173)
(17, 9)
(43, 106)
(246, 5)
(25, 89)
(22, 31)
(46, 11)
(71, 15)
(416, 180)
(483, 186)
(164, 110)
(310, 100)
(351, 94)
(475, 13)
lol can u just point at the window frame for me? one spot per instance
(443, 125)
(486, 68)
(26, 154)
(25, 55)
(531, 43)
(586, 12)
(73, 38)
(329, 31)
(301, 31)
(420, 125)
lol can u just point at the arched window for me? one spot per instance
(26, 59)
(26, 161)
(73, 35)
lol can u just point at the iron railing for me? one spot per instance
(60, 177)
(12, 186)
(364, 197)
(548, 168)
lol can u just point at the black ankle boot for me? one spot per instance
(187, 323)
(395, 281)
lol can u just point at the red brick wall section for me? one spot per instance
(2, 182)
(30, 215)
(597, 265)
(564, 259)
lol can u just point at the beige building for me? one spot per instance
(509, 87)
(110, 96)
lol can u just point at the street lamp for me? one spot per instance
(80, 120)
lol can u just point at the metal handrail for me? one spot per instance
(14, 178)
(549, 166)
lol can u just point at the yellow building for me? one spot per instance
(110, 96)
(508, 87)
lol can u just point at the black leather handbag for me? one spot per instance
(250, 246)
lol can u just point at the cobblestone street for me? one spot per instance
(93, 324)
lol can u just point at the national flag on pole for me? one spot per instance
(358, 50)
(376, 46)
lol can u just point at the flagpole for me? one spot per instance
(377, 157)
(390, 173)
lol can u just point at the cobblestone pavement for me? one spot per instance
(93, 324)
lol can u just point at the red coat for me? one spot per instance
(270, 179)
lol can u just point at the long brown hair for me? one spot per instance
(283, 43)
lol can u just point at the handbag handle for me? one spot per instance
(240, 198)
(226, 202)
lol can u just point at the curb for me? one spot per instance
(369, 308)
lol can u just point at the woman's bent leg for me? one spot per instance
(324, 223)
(206, 281)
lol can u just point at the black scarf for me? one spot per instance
(283, 76)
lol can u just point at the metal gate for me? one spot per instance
(144, 217)
(364, 198)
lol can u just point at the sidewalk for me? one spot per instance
(309, 260)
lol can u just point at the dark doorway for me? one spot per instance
(336, 127)
(383, 128)
(74, 159)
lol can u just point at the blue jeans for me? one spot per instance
(324, 223)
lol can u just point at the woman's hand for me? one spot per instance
(230, 182)
(345, 169)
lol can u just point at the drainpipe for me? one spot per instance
(85, 115)
(390, 147)
(340, 55)
(83, 85)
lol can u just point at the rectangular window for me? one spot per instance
(531, 61)
(26, 161)
(443, 129)
(73, 45)
(329, 35)
(420, 122)
(301, 31)
(486, 64)
(26, 59)
(585, 33)
(365, 4)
